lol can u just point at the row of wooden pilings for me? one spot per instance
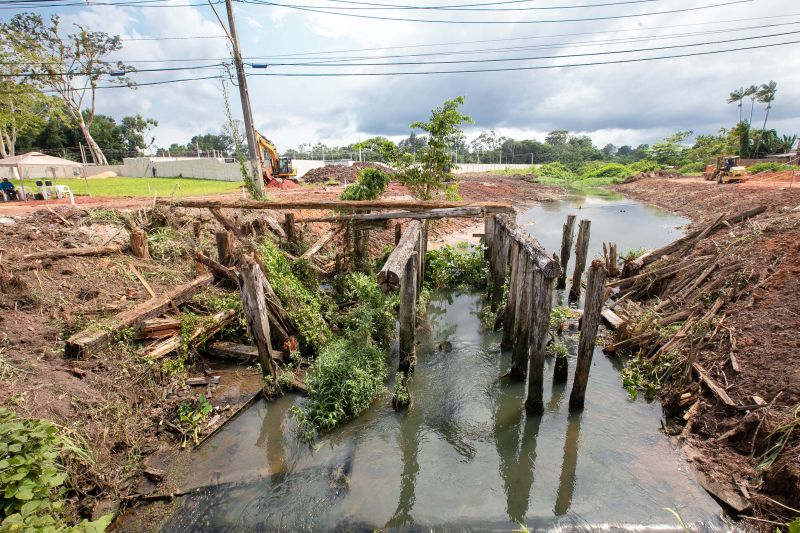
(519, 260)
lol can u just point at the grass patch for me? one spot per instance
(770, 167)
(142, 187)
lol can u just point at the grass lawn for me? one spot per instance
(147, 187)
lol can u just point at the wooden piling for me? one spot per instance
(398, 232)
(197, 228)
(499, 262)
(508, 316)
(139, 244)
(523, 312)
(542, 283)
(225, 248)
(581, 251)
(610, 255)
(423, 251)
(252, 281)
(488, 239)
(408, 316)
(593, 305)
(290, 228)
(567, 235)
(561, 370)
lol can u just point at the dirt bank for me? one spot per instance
(758, 362)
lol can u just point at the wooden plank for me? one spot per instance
(508, 315)
(390, 275)
(411, 205)
(88, 341)
(75, 252)
(589, 324)
(202, 380)
(251, 282)
(408, 316)
(540, 323)
(611, 318)
(317, 246)
(522, 317)
(452, 212)
(207, 328)
(535, 250)
(143, 281)
(718, 391)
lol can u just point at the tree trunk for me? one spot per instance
(97, 153)
(567, 235)
(590, 321)
(251, 281)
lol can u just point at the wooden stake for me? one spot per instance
(139, 244)
(522, 323)
(542, 288)
(251, 281)
(225, 248)
(391, 274)
(408, 316)
(567, 236)
(581, 251)
(593, 304)
(398, 232)
(508, 316)
(290, 228)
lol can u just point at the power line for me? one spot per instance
(121, 73)
(450, 21)
(132, 3)
(473, 7)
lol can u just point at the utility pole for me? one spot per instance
(252, 148)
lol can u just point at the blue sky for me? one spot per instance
(622, 103)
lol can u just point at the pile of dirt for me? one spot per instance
(341, 173)
(653, 174)
(748, 346)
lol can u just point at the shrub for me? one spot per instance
(370, 185)
(555, 172)
(645, 165)
(613, 172)
(692, 168)
(33, 478)
(373, 315)
(456, 266)
(769, 167)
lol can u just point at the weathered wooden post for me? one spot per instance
(398, 232)
(251, 282)
(610, 256)
(423, 250)
(593, 305)
(581, 251)
(138, 244)
(545, 272)
(488, 239)
(522, 324)
(561, 369)
(567, 235)
(511, 302)
(290, 228)
(408, 316)
(225, 248)
(498, 264)
(197, 228)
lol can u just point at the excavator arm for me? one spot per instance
(274, 167)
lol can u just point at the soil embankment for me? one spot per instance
(757, 361)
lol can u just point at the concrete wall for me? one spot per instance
(487, 167)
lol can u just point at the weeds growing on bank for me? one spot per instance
(460, 266)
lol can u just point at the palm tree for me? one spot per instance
(736, 97)
(766, 95)
(752, 92)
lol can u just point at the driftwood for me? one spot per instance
(412, 205)
(589, 324)
(390, 275)
(88, 341)
(452, 212)
(567, 235)
(73, 252)
(205, 330)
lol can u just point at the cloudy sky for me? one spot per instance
(622, 103)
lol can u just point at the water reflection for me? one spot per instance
(408, 440)
(566, 484)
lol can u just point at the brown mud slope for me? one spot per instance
(118, 404)
(754, 351)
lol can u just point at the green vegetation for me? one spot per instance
(303, 307)
(142, 187)
(778, 439)
(692, 168)
(457, 266)
(769, 167)
(558, 315)
(191, 415)
(370, 185)
(640, 375)
(401, 395)
(590, 174)
(633, 253)
(557, 349)
(33, 477)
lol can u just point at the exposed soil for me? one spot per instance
(724, 443)
(341, 173)
(119, 405)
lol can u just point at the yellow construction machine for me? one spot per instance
(276, 169)
(726, 170)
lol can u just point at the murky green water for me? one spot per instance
(465, 456)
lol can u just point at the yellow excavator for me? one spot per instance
(726, 170)
(277, 170)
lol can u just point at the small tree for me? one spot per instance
(430, 175)
(671, 151)
(71, 65)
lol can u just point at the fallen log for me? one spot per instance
(317, 246)
(226, 223)
(207, 328)
(712, 385)
(251, 283)
(75, 252)
(90, 340)
(612, 319)
(415, 205)
(220, 270)
(452, 212)
(242, 353)
(202, 380)
(392, 272)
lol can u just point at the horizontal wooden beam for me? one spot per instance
(411, 205)
(450, 212)
(392, 271)
(535, 251)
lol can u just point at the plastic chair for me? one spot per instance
(62, 190)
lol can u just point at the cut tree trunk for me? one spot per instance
(252, 281)
(567, 236)
(589, 324)
(225, 248)
(581, 251)
(73, 252)
(139, 244)
(390, 275)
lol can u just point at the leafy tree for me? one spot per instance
(708, 147)
(766, 95)
(736, 97)
(414, 143)
(670, 151)
(557, 137)
(71, 65)
(430, 174)
(609, 151)
(752, 92)
(133, 130)
(210, 141)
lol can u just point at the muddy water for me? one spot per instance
(465, 456)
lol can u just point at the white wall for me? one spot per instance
(486, 167)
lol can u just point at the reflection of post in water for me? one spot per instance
(409, 447)
(516, 458)
(271, 434)
(566, 485)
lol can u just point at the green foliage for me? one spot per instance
(373, 315)
(555, 172)
(671, 151)
(557, 349)
(371, 184)
(692, 168)
(456, 266)
(303, 307)
(769, 167)
(191, 415)
(779, 437)
(558, 315)
(33, 478)
(609, 171)
(401, 394)
(640, 375)
(347, 376)
(644, 165)
(426, 173)
(164, 244)
(633, 253)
